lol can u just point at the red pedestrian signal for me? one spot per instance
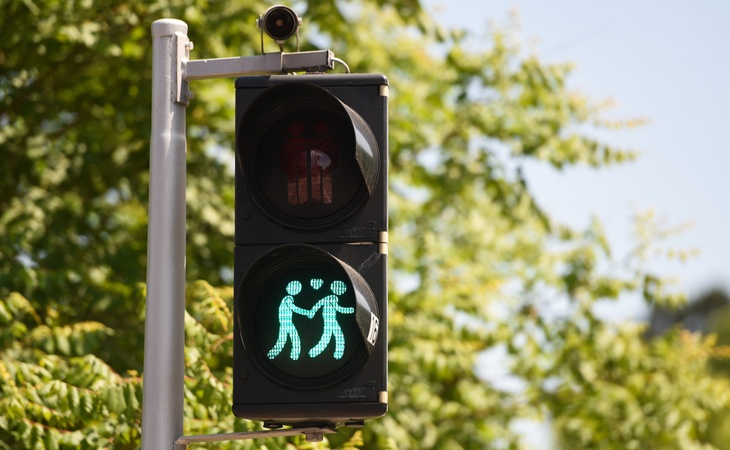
(307, 159)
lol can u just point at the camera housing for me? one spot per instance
(280, 23)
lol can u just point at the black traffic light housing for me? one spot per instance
(311, 249)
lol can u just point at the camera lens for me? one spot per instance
(280, 23)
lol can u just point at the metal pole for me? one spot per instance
(164, 346)
(164, 364)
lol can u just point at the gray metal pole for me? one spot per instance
(164, 359)
(164, 346)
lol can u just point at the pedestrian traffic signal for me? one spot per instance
(310, 319)
(311, 249)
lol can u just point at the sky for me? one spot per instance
(667, 62)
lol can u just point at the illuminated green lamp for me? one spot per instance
(309, 319)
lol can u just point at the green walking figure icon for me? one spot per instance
(287, 330)
(330, 308)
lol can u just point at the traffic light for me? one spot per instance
(311, 249)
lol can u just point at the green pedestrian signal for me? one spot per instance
(330, 326)
(314, 320)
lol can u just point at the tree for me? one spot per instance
(707, 314)
(477, 264)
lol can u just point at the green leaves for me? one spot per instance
(660, 390)
(55, 393)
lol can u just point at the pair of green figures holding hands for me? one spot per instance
(330, 308)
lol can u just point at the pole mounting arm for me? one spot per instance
(266, 64)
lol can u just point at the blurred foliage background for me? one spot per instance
(478, 268)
